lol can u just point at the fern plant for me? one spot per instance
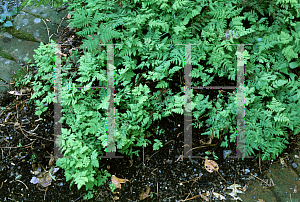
(149, 31)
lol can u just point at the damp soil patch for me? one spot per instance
(26, 140)
(23, 135)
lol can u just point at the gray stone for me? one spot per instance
(226, 153)
(17, 48)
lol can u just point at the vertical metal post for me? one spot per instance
(240, 121)
(110, 103)
(240, 103)
(188, 140)
(57, 103)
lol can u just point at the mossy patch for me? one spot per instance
(6, 55)
(19, 34)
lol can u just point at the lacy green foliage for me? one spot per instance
(87, 120)
(149, 31)
(88, 115)
(44, 80)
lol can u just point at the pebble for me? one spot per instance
(18, 177)
(247, 171)
(294, 165)
(226, 153)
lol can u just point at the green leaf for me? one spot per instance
(294, 65)
(178, 111)
(162, 84)
(3, 17)
(94, 159)
(157, 144)
(112, 187)
(80, 181)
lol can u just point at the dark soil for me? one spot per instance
(161, 168)
(162, 172)
(169, 178)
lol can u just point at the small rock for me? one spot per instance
(18, 177)
(247, 171)
(226, 153)
(294, 165)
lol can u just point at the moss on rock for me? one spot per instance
(19, 34)
(6, 55)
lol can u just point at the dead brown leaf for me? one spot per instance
(44, 178)
(211, 165)
(51, 161)
(144, 194)
(117, 181)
